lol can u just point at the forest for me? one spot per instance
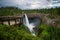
(13, 11)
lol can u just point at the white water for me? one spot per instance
(29, 25)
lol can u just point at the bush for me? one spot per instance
(14, 33)
(21, 33)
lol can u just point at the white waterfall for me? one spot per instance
(29, 25)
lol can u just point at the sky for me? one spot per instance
(30, 4)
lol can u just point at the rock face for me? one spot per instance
(15, 19)
(54, 20)
(51, 21)
(44, 17)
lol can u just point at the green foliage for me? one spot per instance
(15, 33)
(54, 33)
(44, 32)
(52, 11)
(49, 32)
(9, 11)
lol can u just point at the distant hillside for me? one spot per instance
(52, 11)
(14, 11)
(9, 11)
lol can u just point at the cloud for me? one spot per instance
(34, 4)
(30, 4)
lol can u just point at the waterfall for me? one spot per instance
(27, 21)
(29, 25)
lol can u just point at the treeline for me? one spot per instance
(9, 11)
(14, 11)
(53, 11)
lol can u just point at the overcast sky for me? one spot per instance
(30, 4)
